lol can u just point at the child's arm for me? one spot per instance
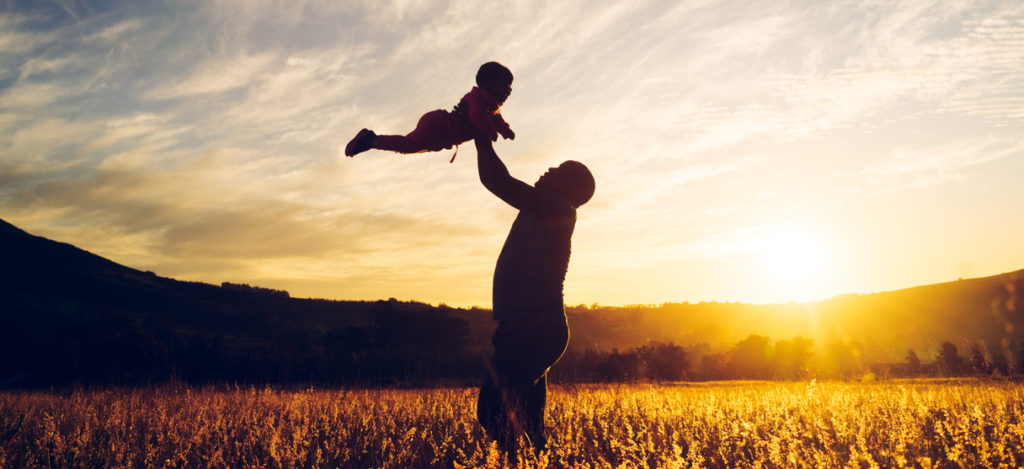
(502, 127)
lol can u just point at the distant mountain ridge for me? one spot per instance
(37, 266)
(67, 315)
(984, 311)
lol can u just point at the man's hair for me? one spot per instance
(579, 183)
(491, 71)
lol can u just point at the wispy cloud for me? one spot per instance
(217, 75)
(921, 166)
(206, 138)
(16, 39)
(115, 32)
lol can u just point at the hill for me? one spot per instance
(982, 311)
(71, 316)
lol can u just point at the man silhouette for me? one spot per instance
(532, 331)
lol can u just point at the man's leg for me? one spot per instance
(491, 412)
(524, 350)
(536, 400)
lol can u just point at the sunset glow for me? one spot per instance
(754, 152)
(795, 260)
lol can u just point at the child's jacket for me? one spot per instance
(483, 112)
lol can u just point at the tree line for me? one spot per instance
(757, 357)
(415, 344)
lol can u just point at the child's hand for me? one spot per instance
(510, 135)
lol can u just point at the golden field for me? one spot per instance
(759, 424)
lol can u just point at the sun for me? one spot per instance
(795, 260)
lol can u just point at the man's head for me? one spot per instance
(496, 79)
(571, 179)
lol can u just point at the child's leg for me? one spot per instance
(407, 144)
(431, 134)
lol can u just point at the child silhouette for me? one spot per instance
(477, 112)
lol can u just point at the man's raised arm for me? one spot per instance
(496, 178)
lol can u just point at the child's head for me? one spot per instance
(572, 179)
(496, 79)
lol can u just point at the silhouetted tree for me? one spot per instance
(1000, 363)
(949, 361)
(712, 366)
(791, 357)
(979, 364)
(416, 343)
(664, 362)
(913, 363)
(845, 360)
(1020, 360)
(750, 358)
(619, 367)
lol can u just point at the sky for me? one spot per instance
(751, 151)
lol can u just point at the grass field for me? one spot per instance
(909, 424)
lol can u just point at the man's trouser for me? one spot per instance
(514, 392)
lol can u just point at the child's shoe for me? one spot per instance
(361, 142)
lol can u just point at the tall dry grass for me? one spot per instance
(960, 424)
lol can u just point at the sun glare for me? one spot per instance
(794, 260)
